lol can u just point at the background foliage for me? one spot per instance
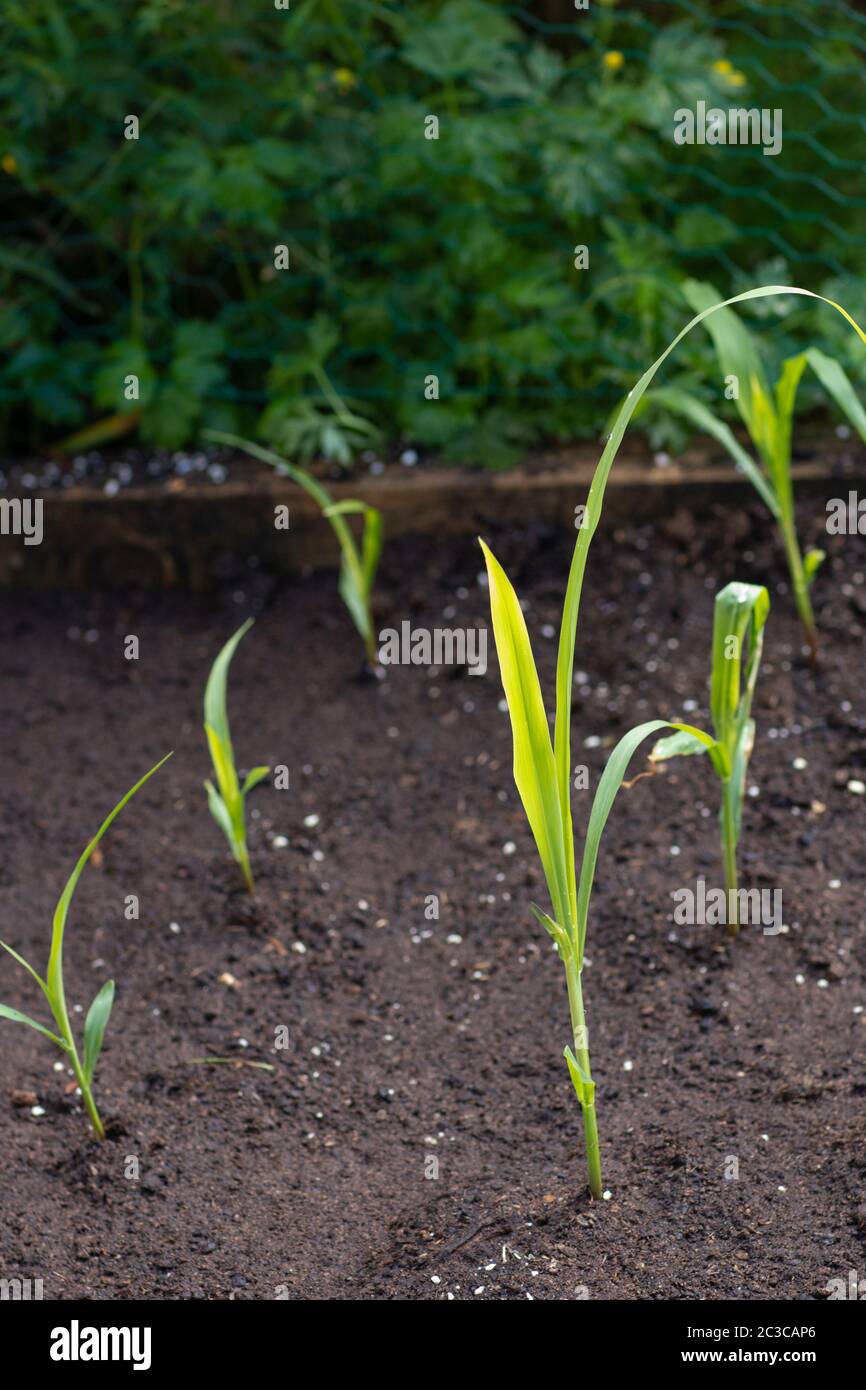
(409, 256)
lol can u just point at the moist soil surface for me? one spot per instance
(419, 1136)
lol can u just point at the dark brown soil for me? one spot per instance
(410, 1037)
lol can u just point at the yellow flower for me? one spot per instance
(9, 163)
(723, 68)
(345, 79)
(613, 60)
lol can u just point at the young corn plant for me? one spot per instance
(739, 616)
(227, 799)
(768, 417)
(52, 986)
(358, 564)
(542, 776)
(542, 772)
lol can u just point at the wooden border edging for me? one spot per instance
(178, 533)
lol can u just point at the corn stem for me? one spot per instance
(800, 584)
(729, 853)
(87, 1095)
(244, 861)
(64, 1028)
(581, 1052)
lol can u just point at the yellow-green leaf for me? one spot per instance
(534, 770)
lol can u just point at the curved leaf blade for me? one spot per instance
(837, 384)
(739, 614)
(558, 934)
(219, 811)
(253, 778)
(222, 757)
(692, 409)
(351, 590)
(611, 780)
(27, 966)
(679, 745)
(215, 709)
(54, 974)
(534, 770)
(371, 547)
(94, 1028)
(17, 1017)
(584, 1087)
(812, 562)
(351, 561)
(736, 348)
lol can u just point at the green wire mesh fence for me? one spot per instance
(343, 223)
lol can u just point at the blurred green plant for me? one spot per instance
(768, 415)
(740, 614)
(300, 424)
(358, 563)
(283, 250)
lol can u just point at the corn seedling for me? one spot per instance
(227, 799)
(738, 635)
(546, 800)
(542, 772)
(52, 985)
(768, 416)
(358, 564)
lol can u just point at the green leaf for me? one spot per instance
(220, 812)
(838, 385)
(739, 615)
(356, 572)
(584, 1087)
(534, 769)
(54, 974)
(94, 1028)
(215, 711)
(786, 396)
(694, 410)
(371, 547)
(350, 507)
(222, 757)
(812, 562)
(460, 38)
(677, 745)
(352, 594)
(605, 795)
(16, 1017)
(121, 359)
(559, 934)
(787, 386)
(253, 778)
(736, 348)
(739, 763)
(27, 966)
